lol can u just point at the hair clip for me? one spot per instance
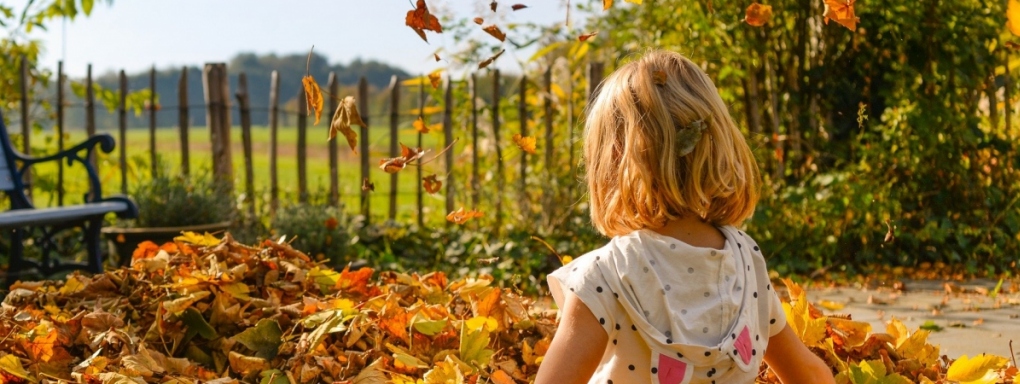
(689, 136)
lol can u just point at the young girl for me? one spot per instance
(678, 295)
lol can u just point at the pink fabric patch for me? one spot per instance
(743, 345)
(671, 371)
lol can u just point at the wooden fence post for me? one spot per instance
(522, 115)
(274, 119)
(394, 151)
(122, 125)
(302, 146)
(1007, 112)
(26, 131)
(448, 140)
(547, 194)
(90, 110)
(500, 188)
(474, 143)
(249, 171)
(183, 120)
(60, 131)
(334, 171)
(217, 89)
(418, 189)
(365, 116)
(153, 166)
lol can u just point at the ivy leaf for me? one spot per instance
(979, 370)
(264, 338)
(197, 325)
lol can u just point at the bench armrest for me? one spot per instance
(74, 154)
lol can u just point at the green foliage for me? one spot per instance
(169, 201)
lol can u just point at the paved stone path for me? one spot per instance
(972, 322)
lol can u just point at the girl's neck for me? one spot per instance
(694, 231)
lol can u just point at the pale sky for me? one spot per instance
(135, 34)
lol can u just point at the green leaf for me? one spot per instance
(264, 338)
(473, 343)
(930, 326)
(429, 327)
(197, 325)
(86, 6)
(998, 288)
(324, 278)
(874, 372)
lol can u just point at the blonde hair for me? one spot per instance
(636, 175)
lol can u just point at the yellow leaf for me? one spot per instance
(917, 347)
(831, 305)
(1013, 17)
(244, 364)
(72, 286)
(177, 306)
(474, 340)
(419, 125)
(346, 114)
(476, 323)
(206, 240)
(238, 290)
(854, 332)
(12, 365)
(444, 372)
(313, 95)
(501, 377)
(979, 370)
(525, 143)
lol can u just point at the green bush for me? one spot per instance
(168, 201)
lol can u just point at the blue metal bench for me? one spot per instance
(24, 219)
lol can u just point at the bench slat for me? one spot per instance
(45, 216)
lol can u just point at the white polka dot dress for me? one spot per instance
(675, 313)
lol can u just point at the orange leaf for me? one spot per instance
(419, 125)
(461, 216)
(420, 20)
(494, 31)
(145, 250)
(356, 282)
(587, 36)
(757, 14)
(346, 115)
(431, 184)
(435, 78)
(500, 377)
(518, 7)
(525, 143)
(479, 20)
(490, 60)
(842, 12)
(313, 95)
(331, 223)
(396, 164)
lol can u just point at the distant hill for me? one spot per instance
(257, 68)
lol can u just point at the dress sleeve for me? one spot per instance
(777, 317)
(583, 278)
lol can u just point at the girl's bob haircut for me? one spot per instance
(637, 174)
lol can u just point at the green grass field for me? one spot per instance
(168, 149)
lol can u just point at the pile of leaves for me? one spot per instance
(214, 310)
(897, 356)
(203, 309)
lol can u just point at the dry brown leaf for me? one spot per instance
(493, 5)
(587, 36)
(494, 31)
(313, 96)
(367, 186)
(346, 115)
(479, 20)
(518, 7)
(461, 216)
(758, 14)
(431, 184)
(437, 57)
(490, 60)
(420, 20)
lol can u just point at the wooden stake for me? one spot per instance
(302, 146)
(249, 170)
(183, 120)
(274, 119)
(122, 125)
(334, 169)
(363, 107)
(448, 140)
(153, 166)
(60, 131)
(394, 150)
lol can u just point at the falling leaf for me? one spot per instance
(461, 216)
(842, 12)
(493, 5)
(587, 36)
(494, 31)
(264, 338)
(525, 143)
(407, 156)
(1013, 17)
(313, 96)
(367, 186)
(479, 20)
(346, 115)
(431, 184)
(435, 78)
(437, 57)
(518, 7)
(420, 20)
(490, 60)
(979, 370)
(419, 125)
(659, 77)
(206, 240)
(758, 14)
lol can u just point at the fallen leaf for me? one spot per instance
(842, 12)
(313, 96)
(979, 370)
(244, 364)
(518, 7)
(831, 305)
(525, 143)
(420, 20)
(490, 60)
(758, 14)
(264, 338)
(12, 365)
(205, 240)
(494, 31)
(461, 216)
(587, 36)
(346, 115)
(431, 184)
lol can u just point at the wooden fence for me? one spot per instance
(218, 104)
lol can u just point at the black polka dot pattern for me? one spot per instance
(599, 290)
(602, 320)
(630, 367)
(655, 370)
